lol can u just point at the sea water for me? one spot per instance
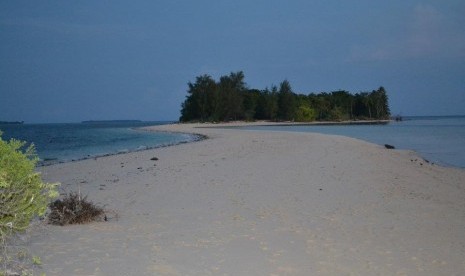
(56, 143)
(438, 139)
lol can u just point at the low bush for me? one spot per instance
(74, 209)
(23, 196)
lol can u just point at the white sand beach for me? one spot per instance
(260, 203)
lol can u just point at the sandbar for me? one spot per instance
(260, 203)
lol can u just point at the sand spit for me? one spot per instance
(261, 203)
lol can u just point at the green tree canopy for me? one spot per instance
(231, 99)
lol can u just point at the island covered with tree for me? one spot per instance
(230, 99)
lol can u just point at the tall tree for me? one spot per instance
(286, 101)
(250, 102)
(379, 99)
(200, 99)
(232, 88)
(341, 105)
(272, 103)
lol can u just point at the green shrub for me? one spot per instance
(305, 114)
(23, 194)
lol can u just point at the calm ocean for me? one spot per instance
(438, 139)
(66, 142)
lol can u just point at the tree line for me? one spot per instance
(230, 99)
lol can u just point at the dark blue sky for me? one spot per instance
(67, 61)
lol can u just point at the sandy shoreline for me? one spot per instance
(261, 203)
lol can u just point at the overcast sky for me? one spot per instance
(68, 61)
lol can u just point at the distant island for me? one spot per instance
(11, 123)
(110, 121)
(230, 99)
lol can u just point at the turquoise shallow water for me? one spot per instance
(66, 142)
(439, 139)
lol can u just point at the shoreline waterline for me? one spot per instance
(68, 142)
(199, 137)
(194, 138)
(438, 139)
(272, 126)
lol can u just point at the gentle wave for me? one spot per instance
(58, 143)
